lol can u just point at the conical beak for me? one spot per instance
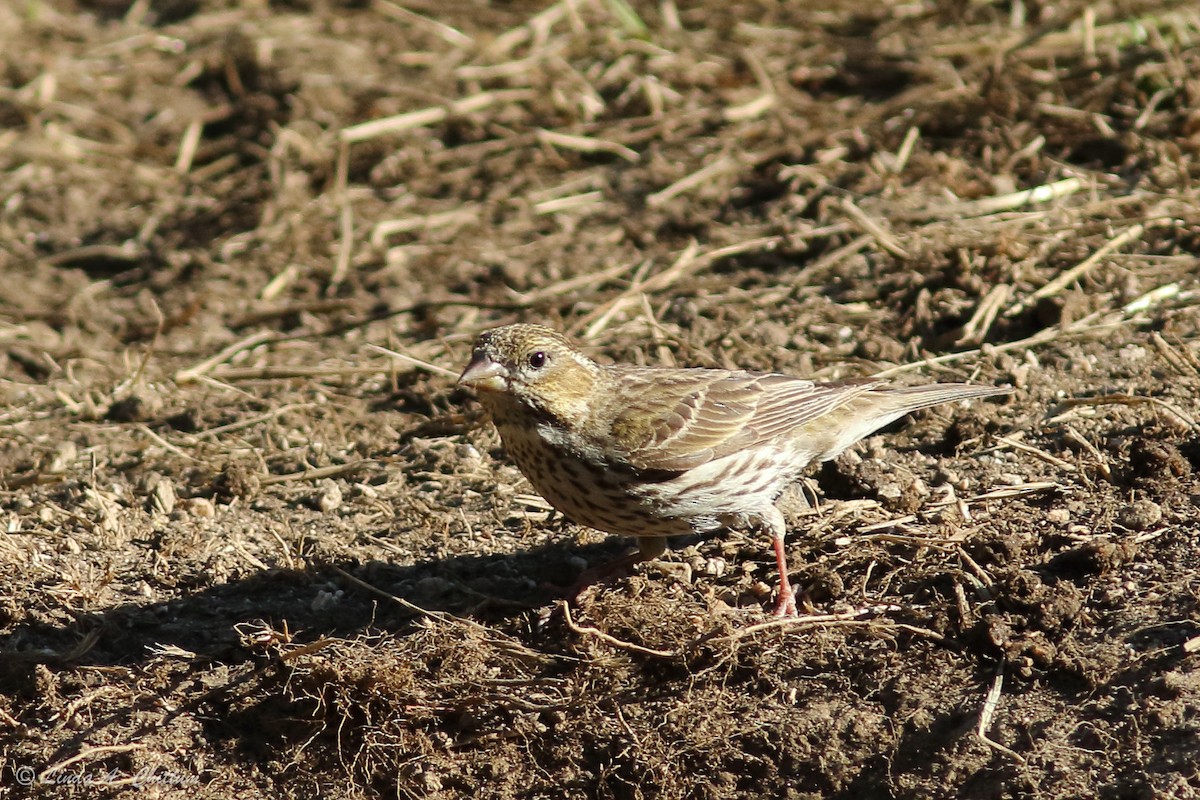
(484, 374)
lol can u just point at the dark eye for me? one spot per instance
(537, 359)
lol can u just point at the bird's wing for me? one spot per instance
(680, 419)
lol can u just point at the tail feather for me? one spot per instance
(882, 405)
(904, 399)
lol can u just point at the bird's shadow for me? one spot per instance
(331, 599)
(210, 653)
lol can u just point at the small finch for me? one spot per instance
(653, 452)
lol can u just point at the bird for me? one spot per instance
(657, 452)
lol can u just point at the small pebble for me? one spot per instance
(761, 590)
(716, 566)
(430, 782)
(330, 497)
(64, 456)
(1132, 352)
(468, 452)
(890, 491)
(163, 498)
(1140, 515)
(945, 475)
(325, 600)
(201, 507)
(1059, 516)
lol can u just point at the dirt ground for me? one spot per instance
(247, 554)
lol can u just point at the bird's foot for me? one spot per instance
(785, 606)
(600, 574)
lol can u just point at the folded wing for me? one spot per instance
(684, 419)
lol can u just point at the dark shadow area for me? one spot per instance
(310, 603)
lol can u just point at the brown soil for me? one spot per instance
(245, 554)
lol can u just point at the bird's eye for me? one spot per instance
(537, 359)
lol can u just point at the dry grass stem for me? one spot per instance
(620, 644)
(976, 329)
(228, 375)
(45, 777)
(1180, 359)
(415, 362)
(873, 228)
(1009, 492)
(724, 165)
(400, 123)
(573, 203)
(450, 35)
(1012, 441)
(751, 110)
(319, 473)
(250, 422)
(994, 205)
(1131, 400)
(1090, 325)
(200, 370)
(1066, 278)
(986, 713)
(587, 144)
(689, 262)
(386, 229)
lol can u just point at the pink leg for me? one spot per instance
(785, 606)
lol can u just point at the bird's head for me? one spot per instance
(535, 366)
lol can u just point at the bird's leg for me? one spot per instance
(773, 520)
(649, 548)
(785, 606)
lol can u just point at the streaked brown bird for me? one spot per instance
(653, 452)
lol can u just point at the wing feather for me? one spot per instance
(685, 418)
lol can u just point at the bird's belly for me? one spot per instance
(628, 503)
(735, 488)
(596, 495)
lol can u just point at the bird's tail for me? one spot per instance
(901, 400)
(879, 406)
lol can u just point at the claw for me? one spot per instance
(786, 605)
